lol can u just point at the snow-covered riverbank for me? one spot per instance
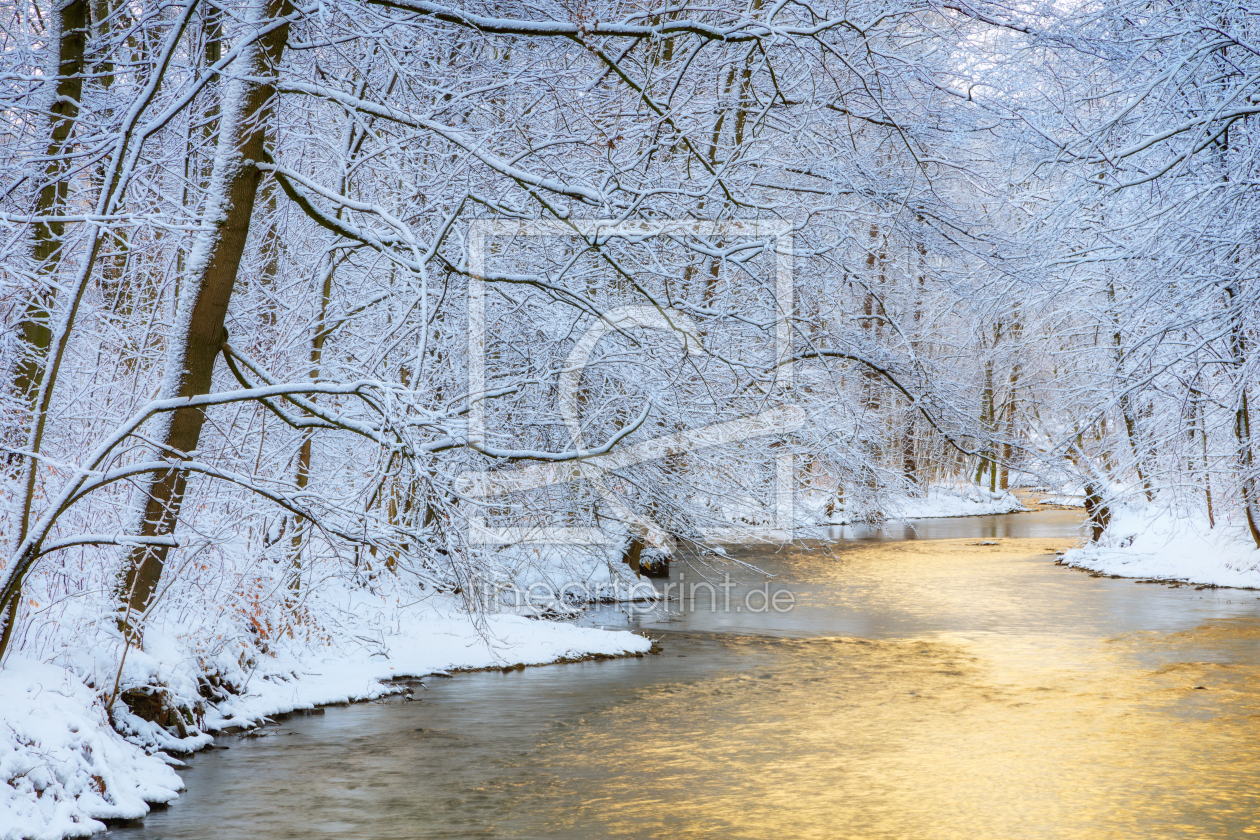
(940, 501)
(83, 740)
(64, 768)
(1174, 546)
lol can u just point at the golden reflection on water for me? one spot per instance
(929, 689)
(988, 736)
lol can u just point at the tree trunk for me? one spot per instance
(72, 24)
(1017, 369)
(986, 418)
(909, 463)
(1135, 443)
(1201, 422)
(353, 143)
(1246, 465)
(303, 475)
(1098, 514)
(33, 330)
(1126, 404)
(272, 249)
(632, 554)
(204, 301)
(1242, 415)
(872, 383)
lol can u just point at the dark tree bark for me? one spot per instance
(1242, 414)
(33, 330)
(1097, 512)
(72, 22)
(206, 293)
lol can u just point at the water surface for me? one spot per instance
(923, 685)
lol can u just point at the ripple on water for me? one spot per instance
(920, 690)
(853, 738)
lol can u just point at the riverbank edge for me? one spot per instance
(1171, 582)
(403, 684)
(1176, 547)
(102, 776)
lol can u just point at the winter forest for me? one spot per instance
(332, 322)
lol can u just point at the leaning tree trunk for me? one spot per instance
(204, 300)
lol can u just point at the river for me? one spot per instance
(936, 681)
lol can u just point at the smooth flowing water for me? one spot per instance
(937, 682)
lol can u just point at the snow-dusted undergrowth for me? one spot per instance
(1167, 544)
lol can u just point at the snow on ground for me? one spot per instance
(64, 768)
(556, 577)
(959, 500)
(411, 642)
(1063, 500)
(64, 765)
(963, 499)
(1173, 545)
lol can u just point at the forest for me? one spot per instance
(327, 322)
